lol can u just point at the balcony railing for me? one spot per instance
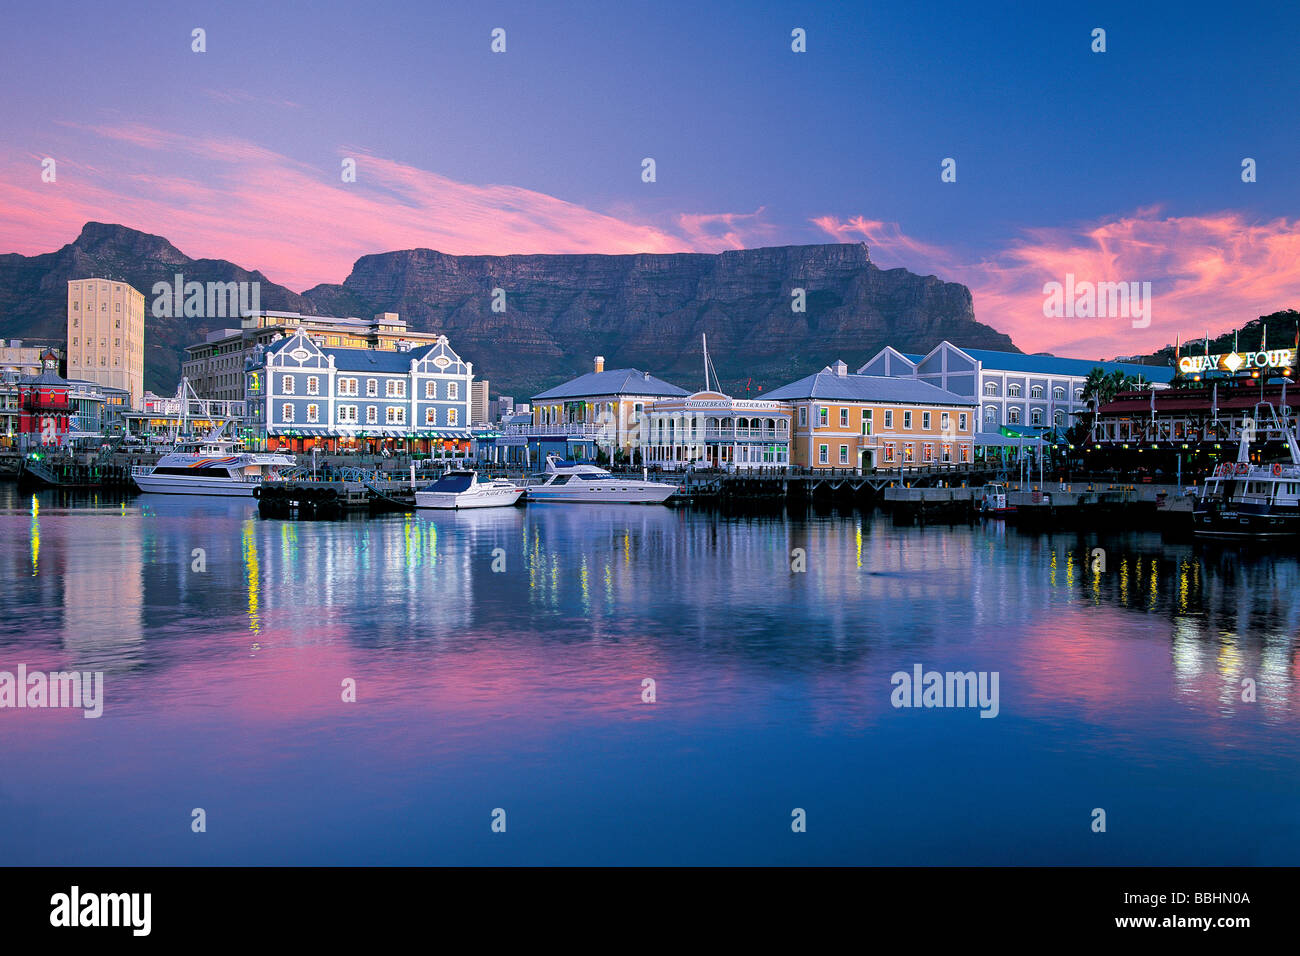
(574, 429)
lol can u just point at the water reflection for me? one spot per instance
(525, 633)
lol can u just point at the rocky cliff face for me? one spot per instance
(649, 311)
(646, 311)
(34, 292)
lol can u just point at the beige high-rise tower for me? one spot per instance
(106, 335)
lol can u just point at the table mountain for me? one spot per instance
(648, 311)
(560, 310)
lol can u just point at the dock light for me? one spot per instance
(1155, 447)
(1126, 447)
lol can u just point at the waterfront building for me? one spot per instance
(601, 411)
(844, 420)
(48, 410)
(1020, 397)
(301, 395)
(182, 414)
(106, 335)
(18, 360)
(478, 403)
(1200, 420)
(215, 366)
(710, 429)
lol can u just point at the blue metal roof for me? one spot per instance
(375, 360)
(363, 360)
(866, 388)
(1054, 365)
(618, 381)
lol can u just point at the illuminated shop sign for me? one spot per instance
(1238, 361)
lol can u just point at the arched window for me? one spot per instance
(990, 415)
(1036, 416)
(1060, 417)
(1013, 391)
(1036, 392)
(1013, 416)
(1078, 394)
(1058, 393)
(990, 388)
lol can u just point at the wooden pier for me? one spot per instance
(333, 499)
(1051, 506)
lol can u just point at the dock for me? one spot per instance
(332, 499)
(1051, 506)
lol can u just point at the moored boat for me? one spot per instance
(1248, 500)
(582, 483)
(462, 488)
(994, 501)
(210, 467)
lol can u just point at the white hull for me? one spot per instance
(608, 492)
(480, 497)
(184, 485)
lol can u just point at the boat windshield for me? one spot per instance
(453, 483)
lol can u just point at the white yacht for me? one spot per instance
(210, 467)
(571, 481)
(1251, 501)
(460, 488)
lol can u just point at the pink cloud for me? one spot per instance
(301, 224)
(1207, 273)
(732, 230)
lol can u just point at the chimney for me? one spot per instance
(600, 363)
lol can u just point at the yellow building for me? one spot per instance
(602, 408)
(106, 335)
(875, 421)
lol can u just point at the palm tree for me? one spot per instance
(1102, 386)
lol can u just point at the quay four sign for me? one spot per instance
(1236, 361)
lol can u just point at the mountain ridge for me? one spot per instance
(643, 310)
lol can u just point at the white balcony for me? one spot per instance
(573, 430)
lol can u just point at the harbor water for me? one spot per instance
(623, 685)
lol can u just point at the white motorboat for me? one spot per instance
(210, 467)
(578, 482)
(460, 488)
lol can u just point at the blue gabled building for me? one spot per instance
(301, 395)
(1020, 397)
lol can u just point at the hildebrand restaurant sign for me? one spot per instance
(1233, 362)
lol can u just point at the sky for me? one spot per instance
(1115, 166)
